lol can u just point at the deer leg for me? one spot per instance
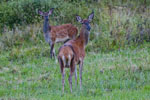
(54, 55)
(80, 75)
(75, 76)
(72, 68)
(51, 50)
(63, 73)
(70, 78)
(63, 79)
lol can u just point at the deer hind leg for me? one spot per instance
(72, 68)
(62, 72)
(63, 79)
(70, 78)
(75, 76)
(80, 75)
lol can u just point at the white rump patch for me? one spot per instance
(69, 60)
(64, 60)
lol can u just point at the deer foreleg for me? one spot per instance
(51, 50)
(54, 55)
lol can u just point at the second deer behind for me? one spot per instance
(54, 34)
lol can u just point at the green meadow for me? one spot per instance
(117, 61)
(27, 73)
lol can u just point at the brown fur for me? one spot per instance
(54, 34)
(61, 32)
(75, 48)
(78, 45)
(73, 52)
(66, 51)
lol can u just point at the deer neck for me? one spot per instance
(46, 26)
(46, 30)
(84, 35)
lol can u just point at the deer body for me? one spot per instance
(62, 33)
(79, 44)
(55, 34)
(73, 52)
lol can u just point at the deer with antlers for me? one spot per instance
(54, 34)
(73, 52)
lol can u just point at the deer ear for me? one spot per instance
(78, 18)
(50, 11)
(40, 13)
(91, 16)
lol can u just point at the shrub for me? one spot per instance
(116, 23)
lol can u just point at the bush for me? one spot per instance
(116, 23)
(14, 12)
(19, 12)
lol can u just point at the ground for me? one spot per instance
(27, 72)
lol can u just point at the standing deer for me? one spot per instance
(54, 34)
(73, 52)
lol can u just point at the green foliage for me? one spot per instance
(14, 12)
(115, 25)
(19, 12)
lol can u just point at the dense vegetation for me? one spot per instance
(116, 23)
(117, 63)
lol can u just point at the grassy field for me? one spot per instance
(117, 62)
(28, 73)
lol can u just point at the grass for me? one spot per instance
(117, 62)
(28, 73)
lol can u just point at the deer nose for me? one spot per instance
(46, 17)
(88, 27)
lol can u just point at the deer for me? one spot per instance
(72, 52)
(55, 34)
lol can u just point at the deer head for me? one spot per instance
(86, 27)
(46, 14)
(46, 26)
(86, 22)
